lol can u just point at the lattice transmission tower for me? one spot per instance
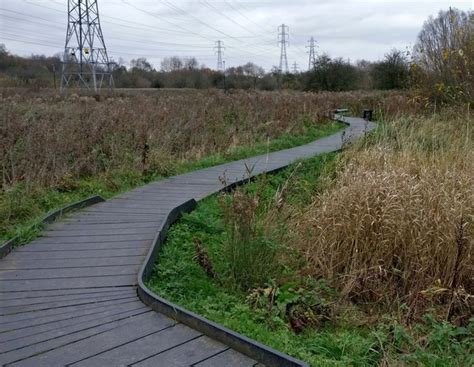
(220, 53)
(312, 53)
(86, 63)
(283, 40)
(295, 68)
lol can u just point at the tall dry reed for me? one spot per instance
(397, 225)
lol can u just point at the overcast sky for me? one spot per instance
(353, 29)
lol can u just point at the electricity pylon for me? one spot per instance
(295, 68)
(220, 53)
(283, 40)
(312, 53)
(86, 63)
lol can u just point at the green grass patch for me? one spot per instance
(24, 205)
(339, 341)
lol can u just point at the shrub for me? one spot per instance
(392, 73)
(331, 75)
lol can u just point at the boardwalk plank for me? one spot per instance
(68, 283)
(56, 333)
(185, 354)
(134, 351)
(99, 238)
(229, 358)
(74, 255)
(92, 312)
(32, 263)
(71, 347)
(38, 274)
(26, 302)
(126, 310)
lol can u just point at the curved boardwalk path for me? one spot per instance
(70, 298)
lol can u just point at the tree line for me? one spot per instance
(441, 64)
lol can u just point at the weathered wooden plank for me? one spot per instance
(8, 322)
(93, 311)
(74, 255)
(128, 211)
(72, 226)
(38, 274)
(75, 328)
(88, 231)
(138, 349)
(228, 358)
(185, 354)
(71, 347)
(90, 246)
(63, 292)
(40, 300)
(32, 263)
(98, 238)
(128, 309)
(68, 283)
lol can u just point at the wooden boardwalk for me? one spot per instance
(69, 298)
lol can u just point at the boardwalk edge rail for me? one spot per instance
(240, 343)
(8, 246)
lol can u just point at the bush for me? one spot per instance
(392, 73)
(331, 75)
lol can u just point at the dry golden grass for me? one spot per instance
(46, 139)
(396, 226)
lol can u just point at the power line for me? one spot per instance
(228, 3)
(135, 24)
(213, 8)
(185, 13)
(260, 49)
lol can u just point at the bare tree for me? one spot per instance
(141, 64)
(191, 63)
(173, 63)
(445, 49)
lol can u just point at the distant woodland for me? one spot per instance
(441, 64)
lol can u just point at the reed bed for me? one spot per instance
(45, 138)
(395, 228)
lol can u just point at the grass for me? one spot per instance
(310, 315)
(23, 205)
